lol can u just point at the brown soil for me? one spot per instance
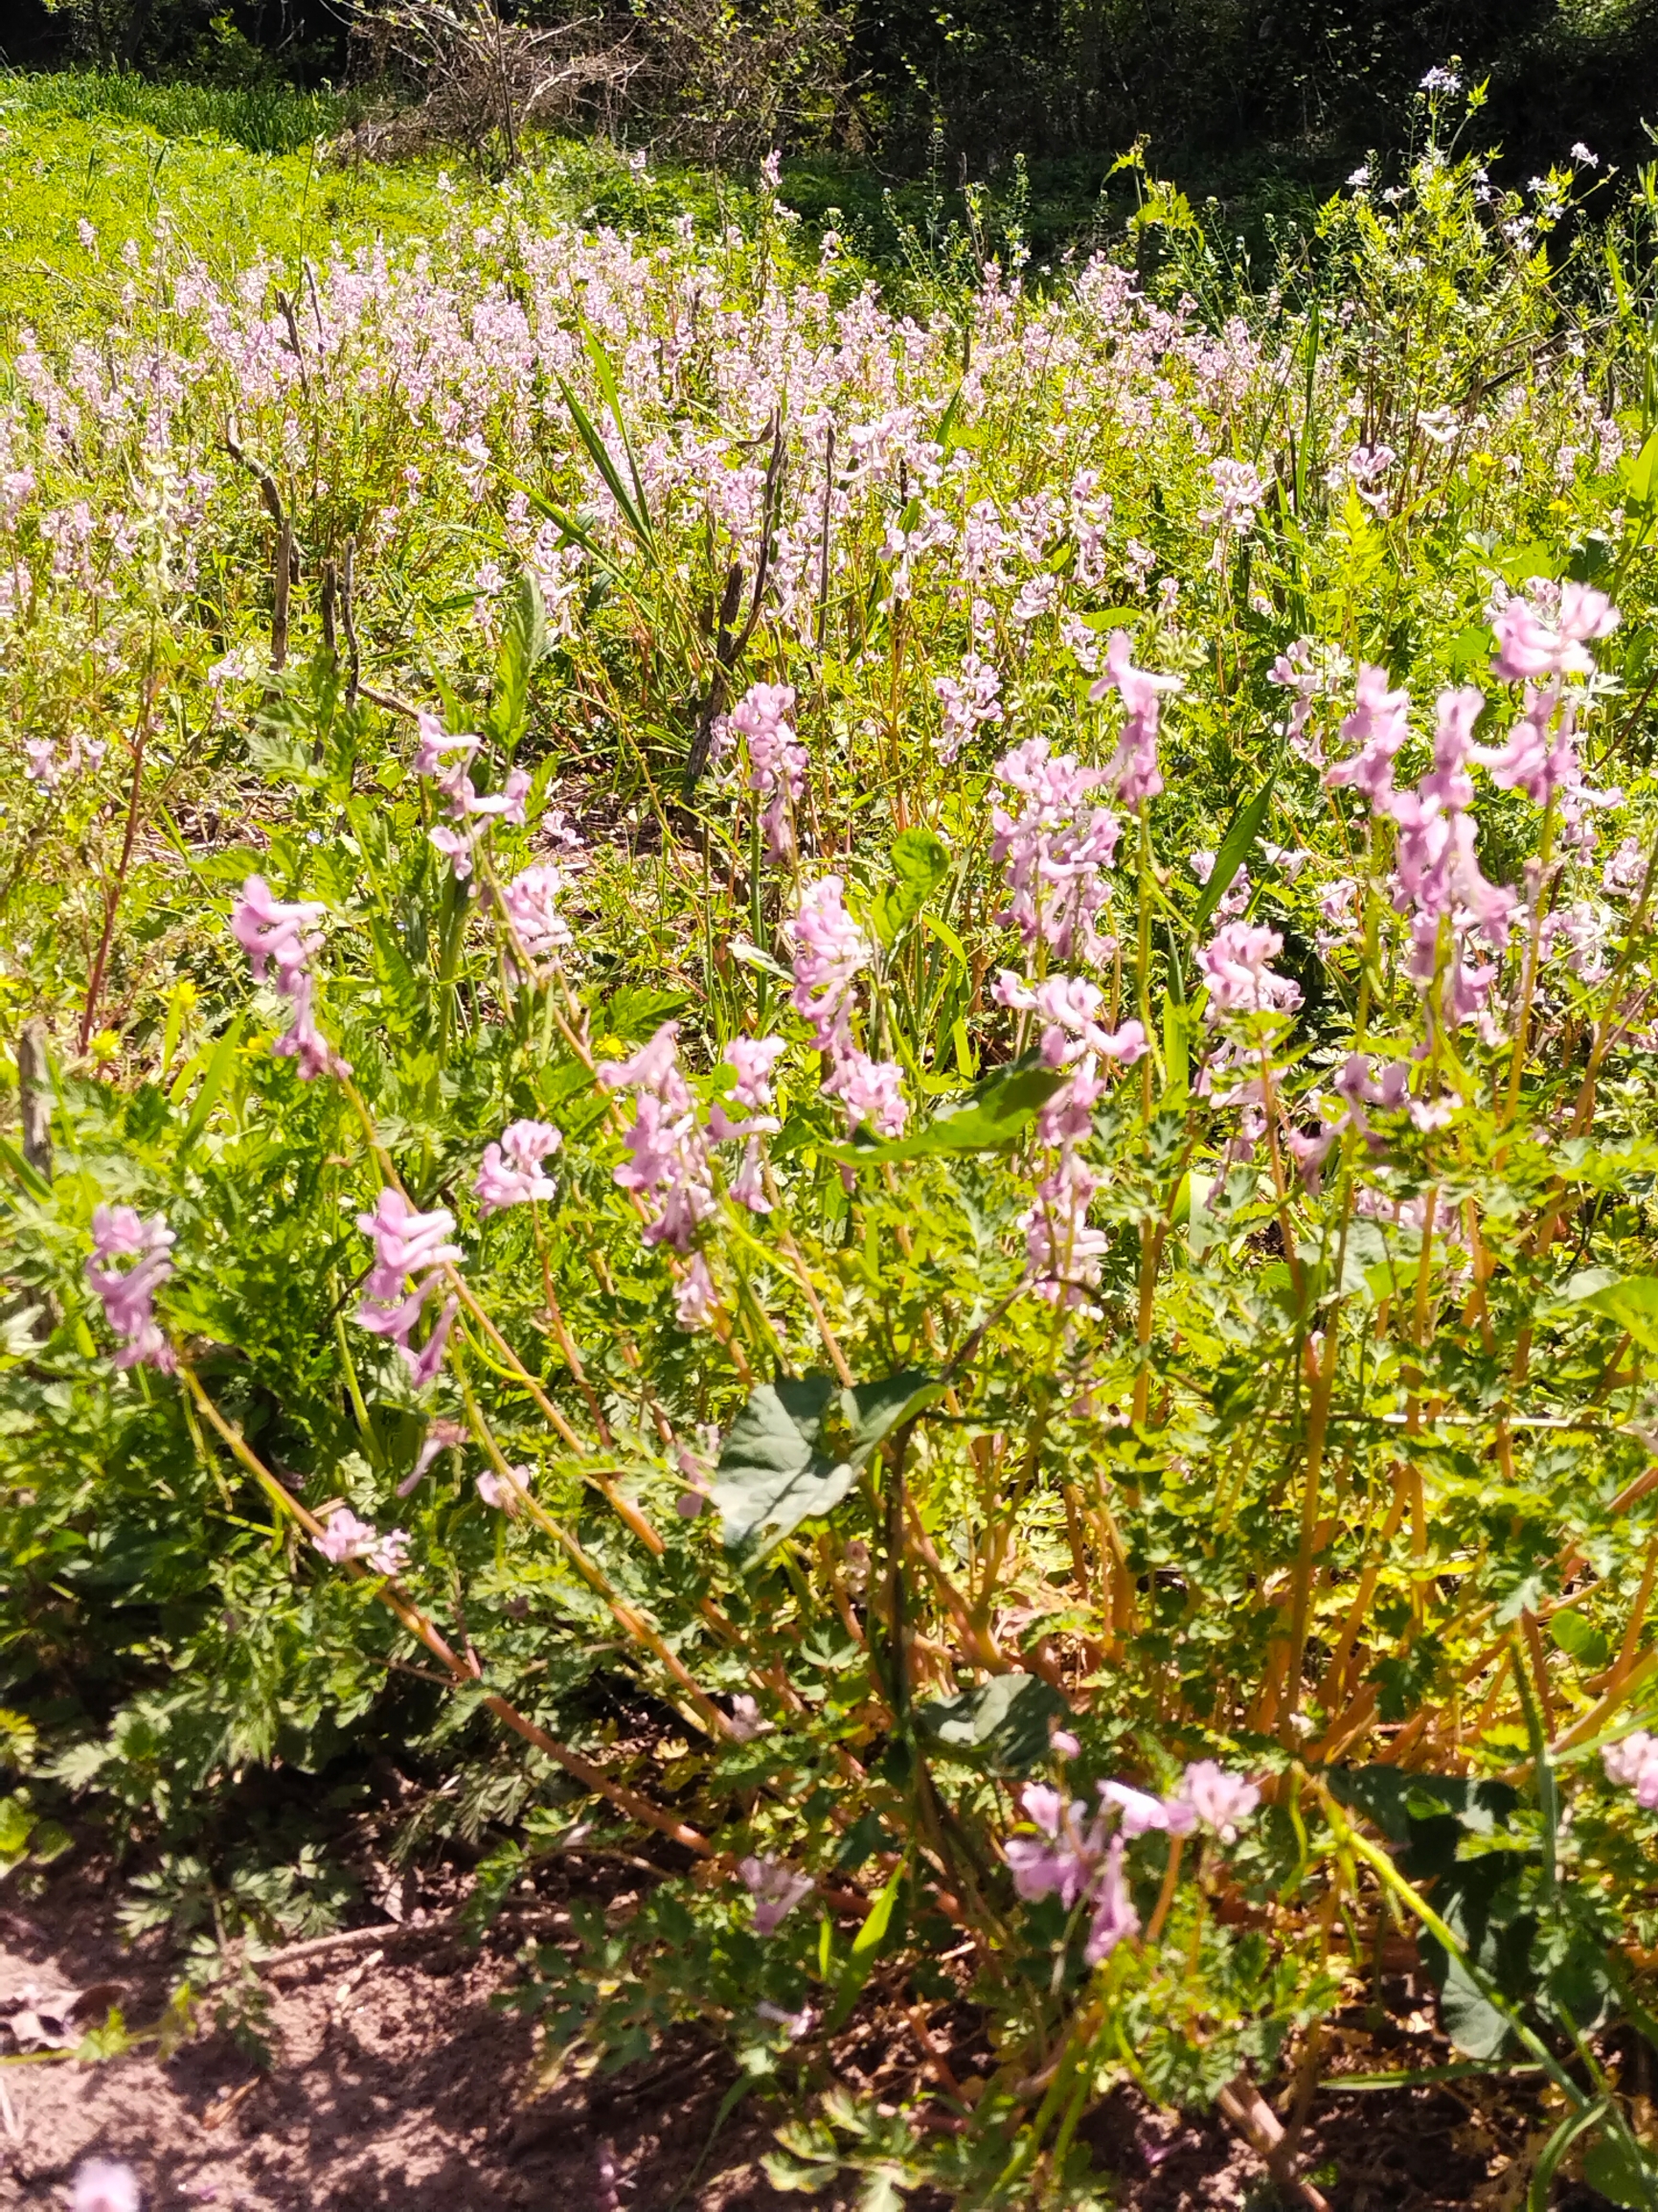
(396, 2083)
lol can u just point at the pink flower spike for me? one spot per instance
(1220, 1802)
(127, 1294)
(776, 1890)
(436, 745)
(1115, 1918)
(345, 1538)
(104, 2185)
(696, 1302)
(510, 1173)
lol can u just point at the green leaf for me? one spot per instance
(920, 862)
(1633, 1305)
(1006, 1725)
(995, 1115)
(219, 1069)
(1242, 833)
(1621, 2176)
(771, 1474)
(875, 1409)
(632, 511)
(1468, 2017)
(1583, 1644)
(1638, 474)
(523, 643)
(773, 1469)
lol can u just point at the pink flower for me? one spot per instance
(496, 1491)
(1062, 1252)
(871, 1092)
(1235, 968)
(668, 1151)
(440, 1436)
(776, 1890)
(1134, 768)
(971, 701)
(1063, 1856)
(696, 1301)
(345, 1538)
(1378, 726)
(1528, 648)
(830, 948)
(1139, 1813)
(754, 1058)
(104, 2185)
(127, 1294)
(510, 1173)
(407, 1245)
(1114, 1915)
(531, 906)
(1219, 1801)
(1055, 850)
(270, 933)
(1632, 1761)
(436, 745)
(777, 759)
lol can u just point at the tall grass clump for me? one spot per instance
(266, 117)
(859, 1093)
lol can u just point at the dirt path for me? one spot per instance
(396, 2084)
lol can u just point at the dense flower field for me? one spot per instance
(857, 1088)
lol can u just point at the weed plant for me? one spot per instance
(857, 1090)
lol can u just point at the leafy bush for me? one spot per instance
(860, 1091)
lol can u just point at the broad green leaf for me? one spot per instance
(1583, 1644)
(1242, 832)
(920, 862)
(997, 1114)
(1633, 1305)
(1611, 2167)
(875, 1409)
(772, 1475)
(1468, 2017)
(1639, 472)
(1006, 1725)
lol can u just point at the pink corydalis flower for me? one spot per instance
(345, 1538)
(1633, 1763)
(1235, 968)
(696, 1301)
(871, 1091)
(1529, 647)
(409, 1247)
(1378, 726)
(274, 933)
(1063, 1252)
(668, 1158)
(776, 1890)
(829, 949)
(753, 1059)
(104, 2185)
(971, 701)
(1222, 1802)
(777, 759)
(1055, 850)
(1141, 1814)
(1134, 771)
(1115, 1919)
(531, 902)
(510, 1173)
(128, 1293)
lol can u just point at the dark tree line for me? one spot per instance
(1224, 88)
